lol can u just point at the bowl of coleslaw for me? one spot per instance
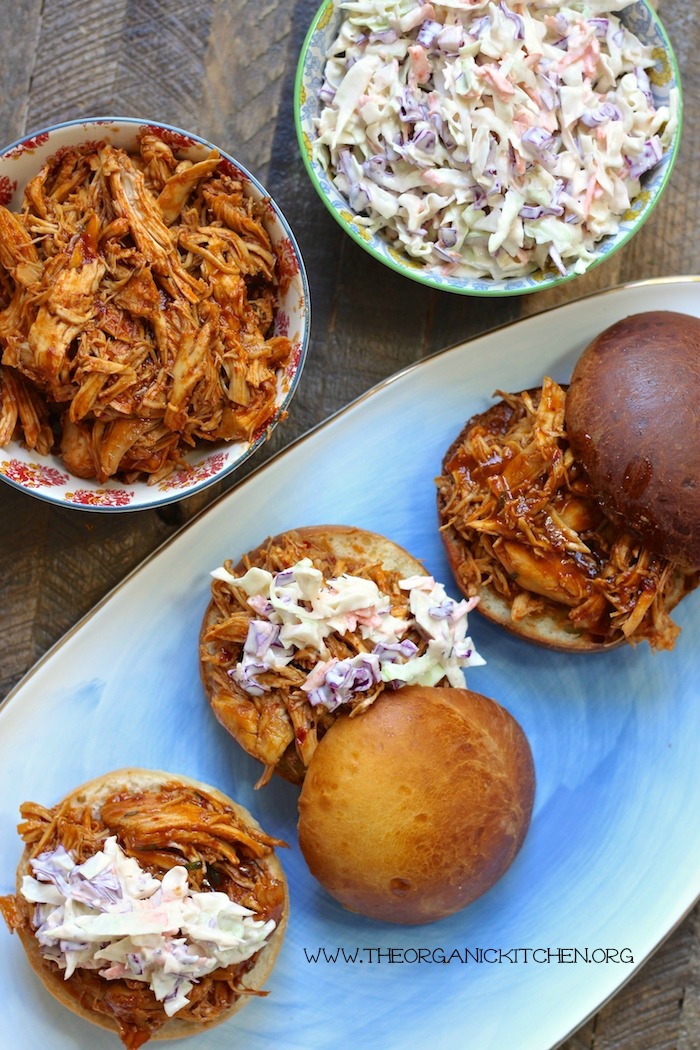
(493, 148)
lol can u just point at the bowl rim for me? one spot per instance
(281, 409)
(414, 273)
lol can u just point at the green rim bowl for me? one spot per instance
(639, 19)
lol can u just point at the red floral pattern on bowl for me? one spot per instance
(207, 468)
(100, 497)
(29, 145)
(33, 475)
(46, 477)
(7, 190)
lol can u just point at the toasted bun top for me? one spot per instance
(633, 422)
(412, 810)
(585, 585)
(111, 1011)
(278, 733)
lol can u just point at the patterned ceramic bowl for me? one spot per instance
(46, 476)
(665, 85)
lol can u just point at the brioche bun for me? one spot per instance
(569, 536)
(126, 784)
(413, 810)
(265, 730)
(633, 423)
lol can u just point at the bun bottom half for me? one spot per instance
(128, 783)
(267, 730)
(523, 530)
(412, 811)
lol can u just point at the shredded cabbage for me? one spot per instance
(490, 139)
(110, 915)
(298, 609)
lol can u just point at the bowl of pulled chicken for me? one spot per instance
(154, 314)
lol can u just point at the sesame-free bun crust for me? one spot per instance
(413, 810)
(548, 625)
(235, 709)
(633, 422)
(93, 794)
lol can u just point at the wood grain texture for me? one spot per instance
(225, 69)
(20, 32)
(248, 62)
(77, 57)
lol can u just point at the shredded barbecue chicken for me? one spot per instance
(160, 828)
(137, 295)
(527, 525)
(282, 723)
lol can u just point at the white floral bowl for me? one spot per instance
(638, 17)
(46, 477)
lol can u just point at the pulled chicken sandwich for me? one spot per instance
(317, 622)
(148, 903)
(524, 529)
(137, 298)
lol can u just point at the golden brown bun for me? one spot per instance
(235, 708)
(549, 624)
(633, 422)
(94, 793)
(413, 810)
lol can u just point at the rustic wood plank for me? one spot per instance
(21, 537)
(55, 565)
(79, 56)
(19, 35)
(689, 1025)
(249, 68)
(161, 60)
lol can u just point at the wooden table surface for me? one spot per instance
(225, 69)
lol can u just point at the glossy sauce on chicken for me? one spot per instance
(282, 719)
(137, 298)
(528, 526)
(161, 828)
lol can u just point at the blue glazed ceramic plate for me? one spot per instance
(665, 77)
(612, 860)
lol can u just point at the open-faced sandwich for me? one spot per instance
(316, 622)
(148, 903)
(574, 513)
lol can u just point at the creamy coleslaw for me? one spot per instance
(488, 138)
(110, 915)
(298, 609)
